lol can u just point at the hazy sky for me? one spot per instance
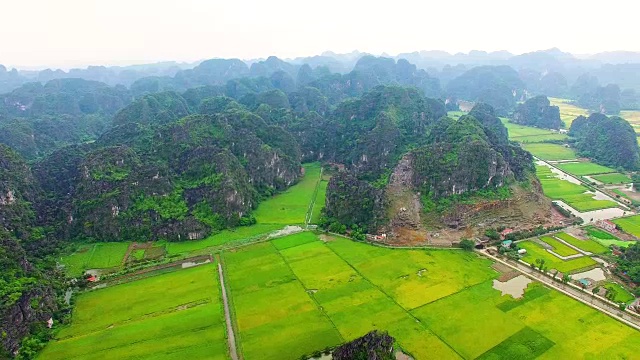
(65, 33)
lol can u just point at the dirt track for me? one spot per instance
(227, 316)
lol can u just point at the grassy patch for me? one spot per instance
(294, 240)
(613, 178)
(137, 254)
(291, 206)
(558, 247)
(584, 245)
(224, 237)
(575, 195)
(599, 233)
(94, 256)
(528, 134)
(319, 203)
(524, 345)
(550, 152)
(630, 225)
(622, 295)
(158, 317)
(584, 168)
(536, 251)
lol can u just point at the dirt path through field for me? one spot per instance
(227, 316)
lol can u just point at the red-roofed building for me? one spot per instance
(606, 225)
(505, 232)
(92, 278)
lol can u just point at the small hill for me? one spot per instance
(538, 112)
(609, 141)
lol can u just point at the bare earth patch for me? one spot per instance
(596, 274)
(514, 287)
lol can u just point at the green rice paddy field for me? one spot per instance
(574, 195)
(613, 178)
(606, 238)
(584, 168)
(94, 256)
(536, 251)
(171, 316)
(584, 245)
(621, 294)
(437, 304)
(558, 247)
(528, 134)
(568, 112)
(550, 152)
(291, 206)
(630, 225)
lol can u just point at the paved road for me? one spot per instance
(586, 297)
(227, 316)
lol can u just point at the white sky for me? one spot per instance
(67, 33)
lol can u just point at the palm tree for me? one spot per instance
(566, 278)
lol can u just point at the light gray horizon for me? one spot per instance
(77, 33)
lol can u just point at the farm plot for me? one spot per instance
(585, 332)
(568, 112)
(291, 206)
(355, 305)
(276, 318)
(630, 225)
(613, 178)
(575, 195)
(318, 205)
(465, 328)
(415, 277)
(633, 117)
(550, 152)
(536, 251)
(620, 294)
(584, 245)
(605, 238)
(171, 316)
(277, 287)
(94, 256)
(584, 168)
(238, 234)
(527, 134)
(558, 247)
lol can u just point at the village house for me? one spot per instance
(606, 225)
(505, 232)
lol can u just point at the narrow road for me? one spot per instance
(585, 297)
(231, 338)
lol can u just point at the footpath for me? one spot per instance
(231, 337)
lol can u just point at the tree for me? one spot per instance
(467, 244)
(492, 234)
(566, 278)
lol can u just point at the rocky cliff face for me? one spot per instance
(147, 187)
(27, 298)
(352, 201)
(34, 307)
(457, 167)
